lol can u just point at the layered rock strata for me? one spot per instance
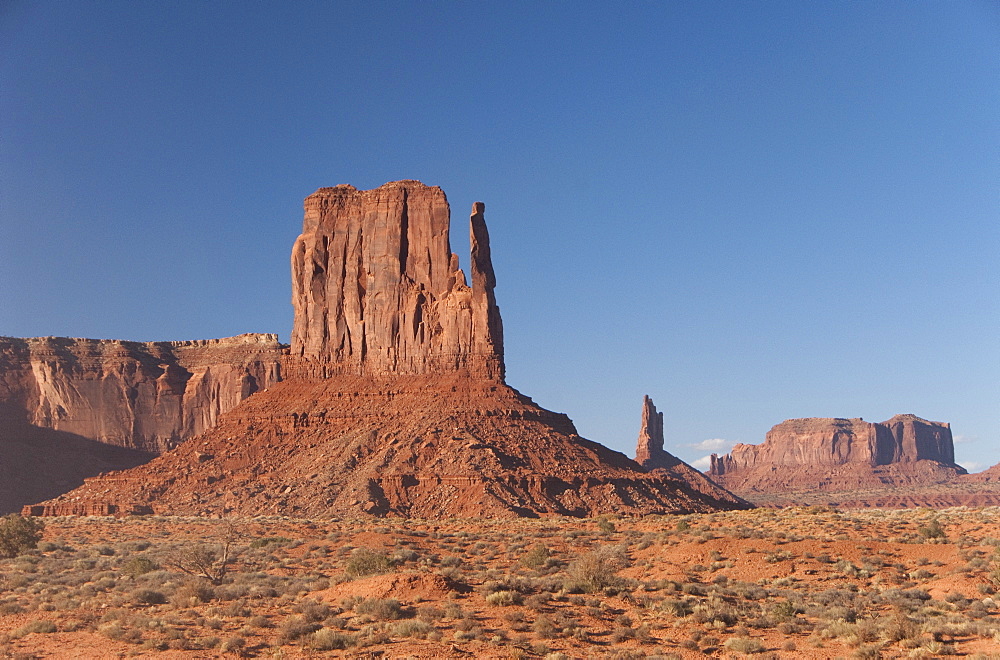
(74, 408)
(148, 396)
(395, 401)
(824, 454)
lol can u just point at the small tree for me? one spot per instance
(210, 561)
(18, 534)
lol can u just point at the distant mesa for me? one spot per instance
(392, 399)
(801, 457)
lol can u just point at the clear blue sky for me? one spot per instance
(750, 211)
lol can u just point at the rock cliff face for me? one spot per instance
(377, 290)
(395, 401)
(74, 408)
(145, 396)
(840, 454)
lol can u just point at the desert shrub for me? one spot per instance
(412, 628)
(744, 645)
(380, 608)
(295, 628)
(18, 534)
(932, 530)
(148, 597)
(191, 593)
(233, 645)
(35, 627)
(326, 639)
(596, 571)
(261, 621)
(367, 562)
(140, 565)
(544, 627)
(313, 610)
(537, 557)
(275, 540)
(504, 598)
(605, 526)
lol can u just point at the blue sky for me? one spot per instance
(749, 211)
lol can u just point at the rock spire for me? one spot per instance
(650, 445)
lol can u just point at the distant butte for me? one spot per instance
(843, 461)
(393, 400)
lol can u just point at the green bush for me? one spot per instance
(137, 566)
(18, 534)
(367, 562)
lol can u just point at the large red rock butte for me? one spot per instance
(833, 454)
(394, 401)
(73, 408)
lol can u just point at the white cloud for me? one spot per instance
(702, 463)
(962, 439)
(973, 466)
(717, 445)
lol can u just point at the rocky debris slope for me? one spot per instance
(146, 396)
(416, 445)
(988, 476)
(395, 402)
(833, 454)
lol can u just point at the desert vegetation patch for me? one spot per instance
(801, 582)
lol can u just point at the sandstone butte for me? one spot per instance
(393, 400)
(73, 408)
(866, 463)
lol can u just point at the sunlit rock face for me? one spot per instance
(149, 396)
(840, 454)
(377, 290)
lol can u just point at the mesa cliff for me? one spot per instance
(393, 399)
(834, 454)
(73, 408)
(149, 396)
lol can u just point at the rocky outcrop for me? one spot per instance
(395, 401)
(833, 454)
(377, 290)
(146, 396)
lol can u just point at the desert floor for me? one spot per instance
(792, 583)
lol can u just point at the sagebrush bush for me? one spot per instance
(367, 562)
